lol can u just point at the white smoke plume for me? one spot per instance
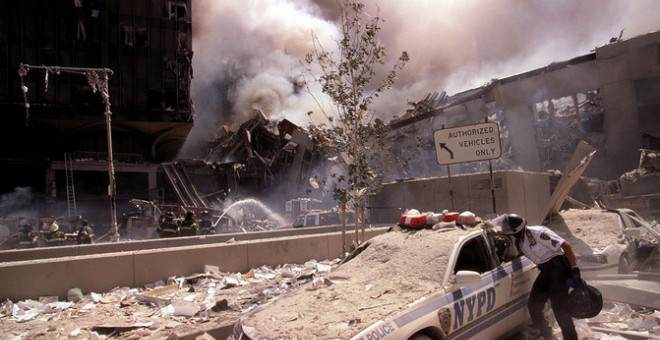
(247, 53)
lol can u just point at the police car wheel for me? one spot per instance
(420, 337)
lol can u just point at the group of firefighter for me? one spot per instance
(53, 236)
(170, 227)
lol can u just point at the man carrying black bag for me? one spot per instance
(556, 262)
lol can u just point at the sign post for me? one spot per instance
(468, 143)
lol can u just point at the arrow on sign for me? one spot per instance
(444, 146)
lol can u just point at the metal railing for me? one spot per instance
(82, 156)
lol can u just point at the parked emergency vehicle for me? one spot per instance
(467, 289)
(315, 218)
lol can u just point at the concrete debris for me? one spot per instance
(205, 336)
(639, 188)
(158, 296)
(182, 306)
(640, 289)
(623, 320)
(616, 321)
(74, 295)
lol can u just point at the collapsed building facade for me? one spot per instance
(609, 98)
(260, 159)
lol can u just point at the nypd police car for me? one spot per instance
(448, 283)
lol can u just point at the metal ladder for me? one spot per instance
(70, 188)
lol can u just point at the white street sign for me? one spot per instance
(468, 143)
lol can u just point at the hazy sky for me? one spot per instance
(247, 53)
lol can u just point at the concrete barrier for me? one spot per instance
(54, 277)
(114, 247)
(100, 272)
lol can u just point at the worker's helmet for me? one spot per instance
(513, 224)
(54, 226)
(190, 215)
(205, 212)
(169, 215)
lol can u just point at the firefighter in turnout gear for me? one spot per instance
(27, 238)
(189, 225)
(55, 237)
(558, 271)
(85, 234)
(205, 225)
(168, 227)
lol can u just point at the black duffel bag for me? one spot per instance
(584, 301)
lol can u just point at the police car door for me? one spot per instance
(479, 308)
(519, 273)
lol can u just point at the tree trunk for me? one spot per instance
(343, 230)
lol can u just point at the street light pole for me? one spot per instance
(98, 81)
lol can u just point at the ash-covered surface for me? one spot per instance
(396, 269)
(323, 301)
(587, 229)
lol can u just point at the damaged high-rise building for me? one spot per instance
(53, 56)
(608, 97)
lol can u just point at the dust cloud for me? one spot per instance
(248, 53)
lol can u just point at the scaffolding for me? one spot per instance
(97, 78)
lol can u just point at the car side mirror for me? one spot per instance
(467, 278)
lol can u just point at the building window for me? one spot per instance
(176, 10)
(128, 33)
(141, 37)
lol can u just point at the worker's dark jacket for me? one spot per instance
(85, 235)
(28, 240)
(189, 228)
(168, 228)
(206, 227)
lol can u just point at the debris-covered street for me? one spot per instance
(186, 306)
(181, 306)
(345, 169)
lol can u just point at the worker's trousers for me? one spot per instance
(551, 284)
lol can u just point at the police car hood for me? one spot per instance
(393, 270)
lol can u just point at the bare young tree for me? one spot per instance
(349, 78)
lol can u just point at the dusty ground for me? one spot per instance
(587, 230)
(124, 314)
